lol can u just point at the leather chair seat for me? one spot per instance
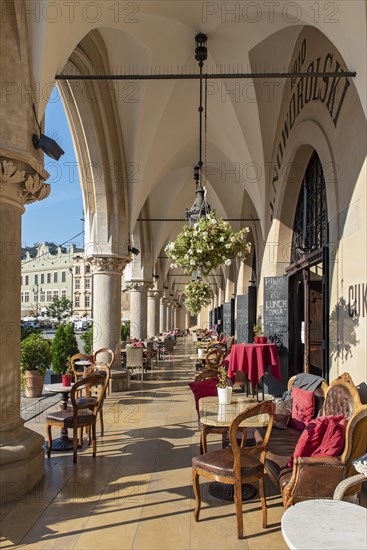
(221, 463)
(83, 401)
(64, 417)
(280, 448)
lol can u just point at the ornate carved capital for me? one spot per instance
(138, 286)
(19, 188)
(154, 293)
(109, 264)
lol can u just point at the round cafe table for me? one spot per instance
(325, 525)
(63, 443)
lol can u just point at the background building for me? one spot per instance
(47, 271)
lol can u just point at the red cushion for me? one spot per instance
(333, 442)
(303, 408)
(203, 388)
(321, 436)
(223, 340)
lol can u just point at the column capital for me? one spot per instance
(108, 263)
(18, 187)
(138, 286)
(154, 293)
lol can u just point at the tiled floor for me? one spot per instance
(136, 494)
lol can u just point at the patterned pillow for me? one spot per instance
(283, 410)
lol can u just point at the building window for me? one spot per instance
(87, 300)
(21, 280)
(63, 293)
(63, 277)
(310, 221)
(26, 296)
(77, 301)
(36, 279)
(87, 283)
(55, 293)
(35, 296)
(55, 277)
(77, 270)
(42, 296)
(87, 268)
(49, 296)
(26, 280)
(22, 297)
(49, 277)
(42, 278)
(77, 284)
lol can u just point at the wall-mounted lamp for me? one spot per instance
(155, 276)
(133, 250)
(48, 145)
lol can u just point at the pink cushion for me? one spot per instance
(322, 436)
(203, 388)
(303, 408)
(223, 340)
(333, 442)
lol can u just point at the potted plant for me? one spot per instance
(259, 336)
(64, 346)
(197, 295)
(35, 358)
(67, 376)
(224, 387)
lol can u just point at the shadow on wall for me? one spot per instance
(343, 337)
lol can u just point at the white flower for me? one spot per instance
(239, 253)
(199, 251)
(213, 221)
(228, 246)
(192, 262)
(233, 239)
(247, 229)
(221, 239)
(227, 262)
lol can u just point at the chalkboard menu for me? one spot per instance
(276, 308)
(226, 321)
(242, 319)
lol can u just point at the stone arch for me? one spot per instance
(92, 114)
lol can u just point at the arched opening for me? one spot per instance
(308, 283)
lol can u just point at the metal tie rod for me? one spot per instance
(207, 76)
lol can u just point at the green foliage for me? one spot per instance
(64, 346)
(125, 331)
(207, 245)
(27, 331)
(87, 338)
(59, 308)
(258, 331)
(222, 378)
(197, 295)
(35, 354)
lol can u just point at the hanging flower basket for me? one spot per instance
(207, 245)
(197, 295)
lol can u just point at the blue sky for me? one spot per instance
(57, 218)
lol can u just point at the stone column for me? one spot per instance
(138, 308)
(107, 271)
(162, 314)
(153, 313)
(21, 452)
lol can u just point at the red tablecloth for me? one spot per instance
(252, 359)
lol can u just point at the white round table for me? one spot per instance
(325, 525)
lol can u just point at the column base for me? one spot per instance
(119, 381)
(21, 462)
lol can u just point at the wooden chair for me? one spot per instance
(107, 357)
(91, 399)
(236, 465)
(214, 358)
(77, 373)
(229, 343)
(152, 353)
(169, 346)
(83, 415)
(134, 359)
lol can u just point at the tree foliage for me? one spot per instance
(64, 346)
(59, 308)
